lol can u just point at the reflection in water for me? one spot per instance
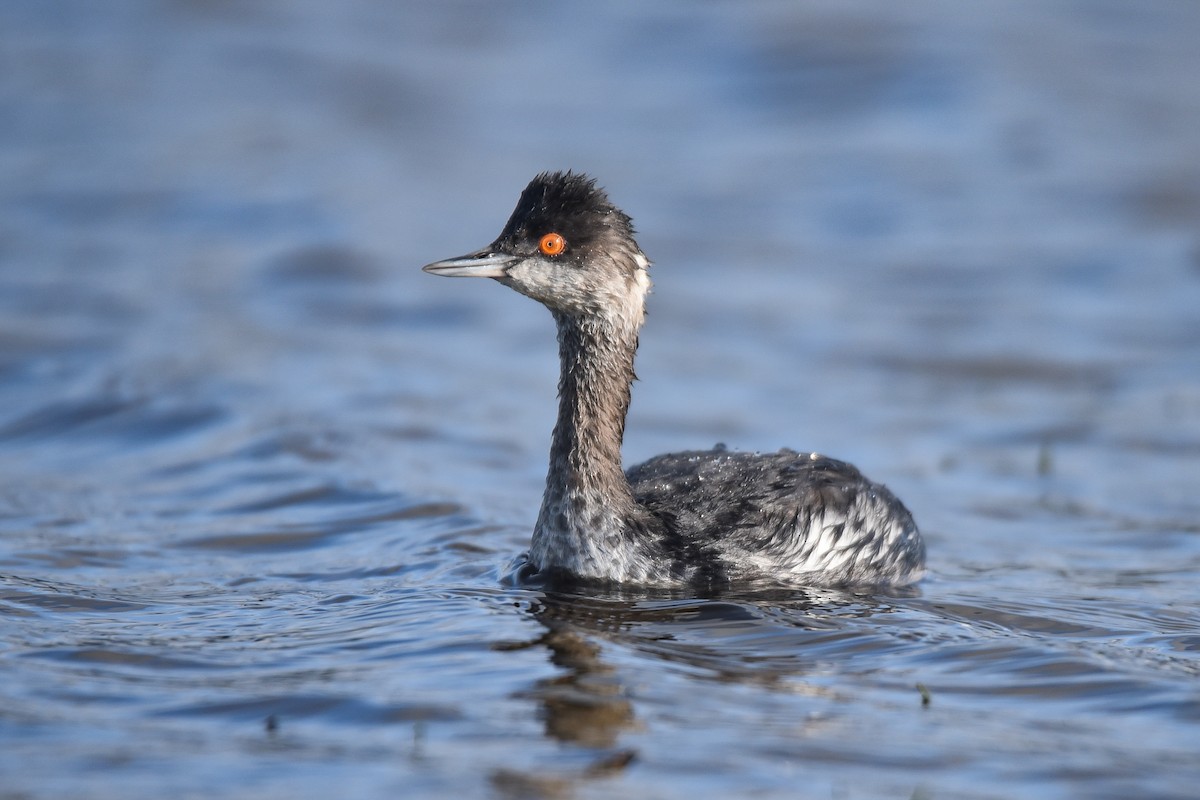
(589, 704)
(516, 784)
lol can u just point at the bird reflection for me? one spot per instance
(749, 637)
(587, 704)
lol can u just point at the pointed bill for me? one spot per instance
(481, 264)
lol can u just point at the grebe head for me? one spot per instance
(568, 247)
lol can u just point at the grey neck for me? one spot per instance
(587, 498)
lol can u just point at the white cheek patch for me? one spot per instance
(641, 277)
(642, 274)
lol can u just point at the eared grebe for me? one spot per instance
(701, 517)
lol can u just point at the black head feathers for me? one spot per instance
(570, 204)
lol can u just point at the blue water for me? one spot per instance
(259, 475)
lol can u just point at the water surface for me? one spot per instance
(259, 476)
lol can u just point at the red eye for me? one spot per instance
(552, 244)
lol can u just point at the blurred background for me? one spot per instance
(955, 244)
